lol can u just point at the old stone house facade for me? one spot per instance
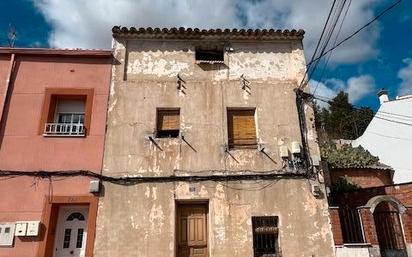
(204, 129)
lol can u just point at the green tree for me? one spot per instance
(342, 120)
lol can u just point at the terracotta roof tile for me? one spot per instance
(196, 33)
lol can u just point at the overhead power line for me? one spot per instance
(394, 121)
(393, 116)
(318, 44)
(334, 43)
(388, 116)
(357, 31)
(396, 114)
(336, 17)
(393, 137)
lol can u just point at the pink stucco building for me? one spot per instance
(53, 107)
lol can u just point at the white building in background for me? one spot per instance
(389, 135)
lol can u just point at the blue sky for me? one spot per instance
(394, 44)
(32, 28)
(381, 56)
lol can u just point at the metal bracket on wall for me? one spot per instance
(226, 150)
(181, 84)
(182, 136)
(261, 148)
(151, 137)
(245, 84)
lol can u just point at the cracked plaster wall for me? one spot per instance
(144, 215)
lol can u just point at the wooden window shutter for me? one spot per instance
(168, 122)
(242, 128)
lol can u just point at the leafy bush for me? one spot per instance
(347, 157)
(344, 184)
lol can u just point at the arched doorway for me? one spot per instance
(389, 229)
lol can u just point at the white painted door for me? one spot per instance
(71, 231)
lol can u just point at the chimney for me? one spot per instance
(383, 96)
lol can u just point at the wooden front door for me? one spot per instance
(191, 230)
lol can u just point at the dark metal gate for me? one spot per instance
(351, 225)
(390, 235)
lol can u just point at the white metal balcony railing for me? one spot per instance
(64, 129)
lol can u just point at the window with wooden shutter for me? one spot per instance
(265, 236)
(168, 122)
(241, 128)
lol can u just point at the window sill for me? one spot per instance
(62, 135)
(165, 138)
(210, 62)
(354, 245)
(247, 148)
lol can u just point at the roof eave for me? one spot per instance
(51, 51)
(212, 34)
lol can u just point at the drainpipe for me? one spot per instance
(6, 88)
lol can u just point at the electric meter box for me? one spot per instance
(33, 228)
(21, 228)
(284, 151)
(7, 234)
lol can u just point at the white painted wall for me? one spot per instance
(389, 136)
(353, 251)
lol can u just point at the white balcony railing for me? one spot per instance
(64, 129)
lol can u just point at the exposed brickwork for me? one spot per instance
(368, 226)
(364, 178)
(407, 224)
(336, 227)
(357, 198)
(402, 192)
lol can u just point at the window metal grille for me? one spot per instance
(67, 124)
(265, 236)
(351, 225)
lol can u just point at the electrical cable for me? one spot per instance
(334, 43)
(382, 113)
(394, 121)
(357, 31)
(125, 180)
(317, 45)
(336, 16)
(359, 108)
(330, 33)
(393, 137)
(396, 114)
(250, 189)
(393, 116)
